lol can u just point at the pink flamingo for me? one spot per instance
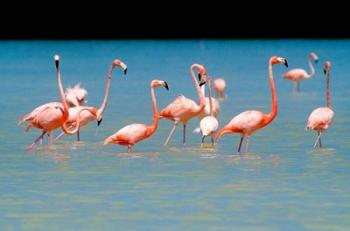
(296, 75)
(134, 133)
(219, 85)
(51, 116)
(75, 96)
(246, 123)
(183, 109)
(209, 124)
(320, 118)
(86, 117)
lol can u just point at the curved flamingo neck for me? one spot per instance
(154, 125)
(328, 93)
(312, 69)
(274, 109)
(108, 85)
(63, 97)
(77, 127)
(200, 94)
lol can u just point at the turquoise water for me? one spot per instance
(283, 184)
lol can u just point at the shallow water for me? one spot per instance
(282, 184)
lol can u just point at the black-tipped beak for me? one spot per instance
(57, 62)
(324, 71)
(316, 60)
(99, 122)
(202, 83)
(199, 77)
(125, 71)
(166, 85)
(286, 63)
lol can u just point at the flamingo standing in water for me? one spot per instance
(134, 133)
(86, 117)
(219, 85)
(296, 75)
(320, 118)
(183, 109)
(51, 116)
(246, 123)
(209, 124)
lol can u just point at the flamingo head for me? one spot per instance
(57, 60)
(120, 64)
(313, 56)
(202, 75)
(99, 117)
(158, 83)
(275, 60)
(327, 67)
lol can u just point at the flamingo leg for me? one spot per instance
(184, 135)
(78, 135)
(49, 142)
(203, 137)
(318, 139)
(297, 86)
(247, 144)
(30, 147)
(59, 136)
(170, 134)
(212, 140)
(129, 148)
(240, 145)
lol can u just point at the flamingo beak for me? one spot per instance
(324, 71)
(166, 85)
(57, 60)
(99, 122)
(125, 71)
(285, 62)
(199, 77)
(316, 60)
(203, 80)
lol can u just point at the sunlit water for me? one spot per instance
(283, 184)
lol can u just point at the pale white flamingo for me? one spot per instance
(321, 118)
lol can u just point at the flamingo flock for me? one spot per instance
(71, 113)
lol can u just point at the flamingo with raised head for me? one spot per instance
(246, 123)
(50, 116)
(320, 118)
(296, 75)
(209, 124)
(182, 109)
(219, 86)
(87, 117)
(134, 133)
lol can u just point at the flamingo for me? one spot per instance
(134, 133)
(219, 85)
(320, 118)
(209, 124)
(50, 116)
(246, 123)
(75, 96)
(296, 75)
(183, 109)
(215, 106)
(87, 117)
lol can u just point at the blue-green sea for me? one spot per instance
(281, 184)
